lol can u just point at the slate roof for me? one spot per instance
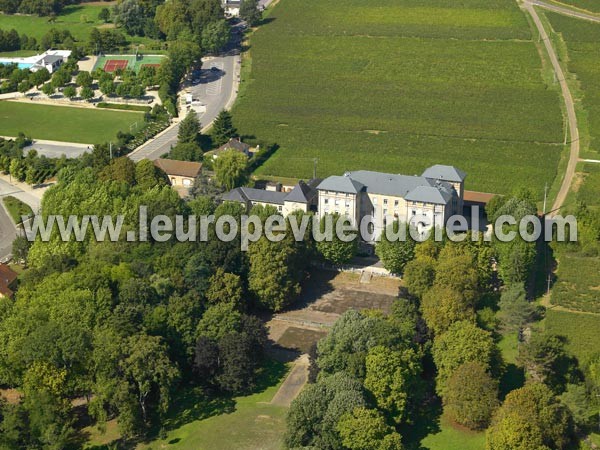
(235, 143)
(429, 194)
(302, 193)
(179, 168)
(244, 194)
(435, 190)
(446, 173)
(388, 183)
(341, 184)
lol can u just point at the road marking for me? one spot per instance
(215, 87)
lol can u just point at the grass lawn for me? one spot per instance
(78, 19)
(18, 54)
(580, 329)
(452, 438)
(509, 347)
(60, 123)
(398, 85)
(249, 422)
(16, 208)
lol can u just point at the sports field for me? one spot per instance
(110, 63)
(61, 123)
(398, 85)
(78, 19)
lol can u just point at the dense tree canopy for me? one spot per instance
(530, 418)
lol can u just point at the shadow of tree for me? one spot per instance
(512, 378)
(425, 423)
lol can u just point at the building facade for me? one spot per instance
(302, 197)
(427, 200)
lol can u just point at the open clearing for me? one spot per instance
(396, 85)
(246, 423)
(61, 123)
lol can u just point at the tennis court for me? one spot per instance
(115, 64)
(111, 63)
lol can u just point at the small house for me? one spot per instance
(181, 173)
(8, 280)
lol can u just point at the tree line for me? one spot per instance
(375, 376)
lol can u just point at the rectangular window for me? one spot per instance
(395, 202)
(375, 201)
(385, 201)
(414, 213)
(337, 203)
(326, 201)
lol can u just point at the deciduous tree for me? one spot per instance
(231, 168)
(463, 342)
(395, 254)
(471, 396)
(531, 418)
(392, 377)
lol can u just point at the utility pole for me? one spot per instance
(110, 150)
(315, 167)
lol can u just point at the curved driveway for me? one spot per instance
(570, 106)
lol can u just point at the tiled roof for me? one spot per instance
(7, 278)
(179, 168)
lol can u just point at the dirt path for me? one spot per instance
(545, 302)
(293, 384)
(570, 106)
(567, 11)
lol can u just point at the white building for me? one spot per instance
(232, 8)
(51, 60)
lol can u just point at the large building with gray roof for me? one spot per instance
(430, 198)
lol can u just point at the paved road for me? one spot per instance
(8, 232)
(217, 90)
(7, 229)
(570, 106)
(566, 11)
